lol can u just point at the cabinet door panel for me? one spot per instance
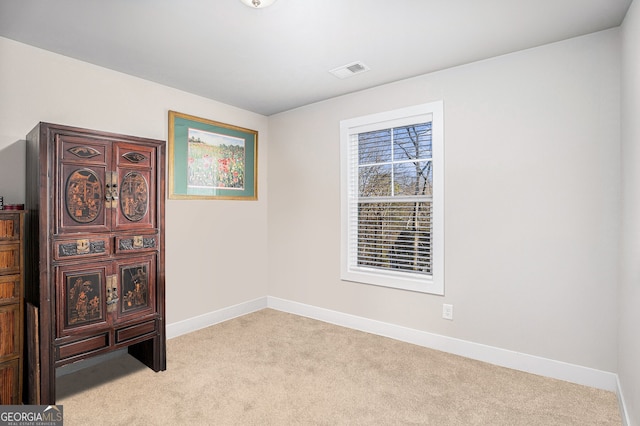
(81, 187)
(134, 210)
(135, 169)
(9, 331)
(10, 227)
(81, 297)
(81, 202)
(10, 289)
(9, 258)
(137, 280)
(10, 383)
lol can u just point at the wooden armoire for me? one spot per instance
(94, 249)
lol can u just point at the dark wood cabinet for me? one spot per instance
(95, 247)
(11, 306)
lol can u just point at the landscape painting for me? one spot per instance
(215, 160)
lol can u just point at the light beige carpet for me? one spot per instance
(273, 368)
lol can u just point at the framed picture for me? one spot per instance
(211, 160)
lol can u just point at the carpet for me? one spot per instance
(275, 368)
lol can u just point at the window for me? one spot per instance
(392, 199)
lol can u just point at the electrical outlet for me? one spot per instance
(447, 311)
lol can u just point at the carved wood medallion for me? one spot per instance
(134, 157)
(84, 151)
(134, 196)
(83, 195)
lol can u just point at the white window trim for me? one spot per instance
(405, 116)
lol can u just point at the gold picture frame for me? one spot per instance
(211, 160)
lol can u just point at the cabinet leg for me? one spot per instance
(151, 353)
(48, 389)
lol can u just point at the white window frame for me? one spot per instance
(350, 271)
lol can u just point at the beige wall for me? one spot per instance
(531, 202)
(629, 296)
(215, 250)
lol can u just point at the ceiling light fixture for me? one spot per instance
(258, 4)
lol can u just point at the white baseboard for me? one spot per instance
(622, 404)
(201, 321)
(497, 356)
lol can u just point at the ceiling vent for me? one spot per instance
(349, 70)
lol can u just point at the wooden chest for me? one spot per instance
(11, 306)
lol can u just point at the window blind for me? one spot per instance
(390, 214)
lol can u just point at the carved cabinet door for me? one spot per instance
(82, 191)
(134, 182)
(136, 286)
(84, 296)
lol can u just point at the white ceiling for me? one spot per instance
(275, 59)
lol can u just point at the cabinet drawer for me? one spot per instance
(10, 289)
(129, 333)
(9, 258)
(83, 346)
(10, 383)
(9, 331)
(10, 227)
(82, 247)
(136, 243)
